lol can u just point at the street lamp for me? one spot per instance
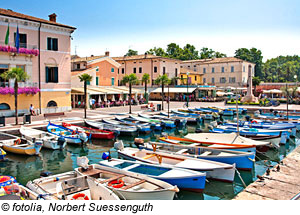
(187, 89)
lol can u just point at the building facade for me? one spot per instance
(44, 54)
(103, 69)
(194, 77)
(221, 72)
(151, 64)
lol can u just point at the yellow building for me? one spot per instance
(194, 77)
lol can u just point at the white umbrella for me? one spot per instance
(99, 99)
(113, 98)
(105, 98)
(121, 97)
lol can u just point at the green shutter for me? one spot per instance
(55, 44)
(49, 43)
(88, 83)
(47, 74)
(112, 81)
(112, 70)
(97, 81)
(56, 74)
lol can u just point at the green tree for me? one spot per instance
(255, 82)
(146, 80)
(206, 53)
(162, 80)
(252, 55)
(174, 51)
(131, 52)
(219, 55)
(85, 78)
(189, 52)
(157, 52)
(131, 80)
(18, 75)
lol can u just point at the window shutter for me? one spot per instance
(55, 44)
(49, 43)
(97, 81)
(56, 74)
(47, 74)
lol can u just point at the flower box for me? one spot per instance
(21, 90)
(14, 50)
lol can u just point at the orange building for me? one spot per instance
(103, 69)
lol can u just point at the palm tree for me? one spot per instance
(163, 80)
(146, 80)
(85, 78)
(18, 74)
(131, 80)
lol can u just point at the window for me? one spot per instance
(213, 80)
(52, 104)
(51, 74)
(244, 79)
(232, 68)
(195, 78)
(204, 80)
(134, 62)
(194, 65)
(22, 40)
(181, 76)
(112, 81)
(22, 67)
(204, 70)
(213, 70)
(176, 72)
(223, 69)
(78, 66)
(88, 83)
(4, 106)
(97, 81)
(3, 68)
(123, 70)
(164, 70)
(134, 70)
(155, 69)
(140, 69)
(222, 80)
(189, 66)
(52, 44)
(231, 79)
(112, 69)
(244, 70)
(118, 71)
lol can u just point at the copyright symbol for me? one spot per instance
(5, 206)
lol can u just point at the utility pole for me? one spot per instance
(187, 89)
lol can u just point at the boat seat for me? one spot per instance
(133, 185)
(181, 151)
(206, 153)
(112, 179)
(149, 156)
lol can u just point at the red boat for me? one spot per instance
(96, 133)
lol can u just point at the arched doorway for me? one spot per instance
(4, 106)
(52, 104)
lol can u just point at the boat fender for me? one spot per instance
(119, 145)
(198, 130)
(82, 196)
(116, 183)
(106, 156)
(17, 142)
(177, 122)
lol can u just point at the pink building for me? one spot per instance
(44, 54)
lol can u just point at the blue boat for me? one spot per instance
(142, 128)
(265, 125)
(183, 178)
(243, 160)
(253, 132)
(158, 126)
(71, 136)
(168, 123)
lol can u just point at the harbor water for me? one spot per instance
(26, 168)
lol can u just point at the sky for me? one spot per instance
(222, 25)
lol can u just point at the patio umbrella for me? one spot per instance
(113, 98)
(120, 97)
(105, 98)
(99, 99)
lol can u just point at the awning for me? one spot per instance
(272, 91)
(175, 90)
(80, 91)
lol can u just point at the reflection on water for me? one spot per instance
(26, 168)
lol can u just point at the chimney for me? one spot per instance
(52, 17)
(146, 54)
(107, 53)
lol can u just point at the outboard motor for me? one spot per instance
(45, 174)
(119, 145)
(83, 137)
(138, 142)
(247, 118)
(177, 122)
(260, 111)
(271, 110)
(163, 125)
(61, 141)
(198, 130)
(275, 112)
(83, 162)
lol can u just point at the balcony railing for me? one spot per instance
(20, 84)
(25, 48)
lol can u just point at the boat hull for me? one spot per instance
(30, 150)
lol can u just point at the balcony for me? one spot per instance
(25, 49)
(20, 84)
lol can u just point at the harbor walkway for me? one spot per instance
(281, 183)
